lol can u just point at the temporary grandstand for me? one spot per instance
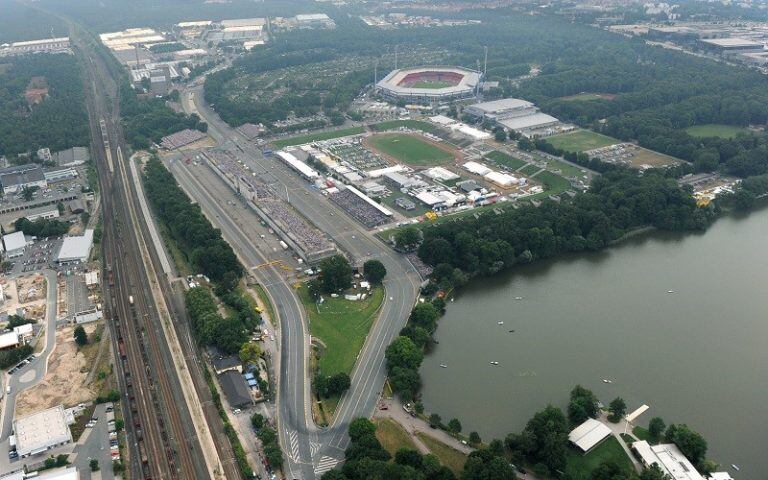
(439, 84)
(360, 207)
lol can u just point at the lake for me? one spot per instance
(698, 355)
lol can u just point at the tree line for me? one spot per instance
(42, 227)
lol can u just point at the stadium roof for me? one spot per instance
(590, 433)
(76, 248)
(528, 121)
(466, 85)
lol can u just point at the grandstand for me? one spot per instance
(360, 207)
(429, 84)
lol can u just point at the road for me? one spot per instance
(29, 375)
(310, 451)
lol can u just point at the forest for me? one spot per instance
(20, 22)
(59, 122)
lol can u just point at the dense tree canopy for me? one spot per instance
(335, 274)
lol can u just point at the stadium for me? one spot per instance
(429, 84)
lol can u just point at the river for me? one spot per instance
(698, 355)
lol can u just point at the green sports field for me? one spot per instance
(715, 130)
(581, 140)
(410, 149)
(508, 161)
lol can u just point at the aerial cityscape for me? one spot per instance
(383, 239)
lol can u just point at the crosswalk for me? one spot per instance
(293, 439)
(325, 464)
(314, 447)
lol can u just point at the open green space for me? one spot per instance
(315, 137)
(501, 158)
(410, 149)
(716, 130)
(529, 170)
(395, 124)
(341, 325)
(392, 435)
(587, 97)
(432, 84)
(581, 140)
(566, 169)
(553, 184)
(449, 456)
(418, 211)
(580, 466)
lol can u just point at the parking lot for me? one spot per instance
(37, 256)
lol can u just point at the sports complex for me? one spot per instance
(429, 84)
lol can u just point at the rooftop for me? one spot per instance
(732, 42)
(76, 248)
(529, 121)
(669, 459)
(14, 241)
(235, 389)
(22, 178)
(590, 433)
(496, 106)
(243, 22)
(38, 431)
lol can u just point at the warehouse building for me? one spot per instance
(35, 46)
(15, 179)
(71, 157)
(725, 46)
(513, 114)
(76, 249)
(41, 431)
(14, 244)
(314, 20)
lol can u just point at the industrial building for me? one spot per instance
(76, 249)
(589, 434)
(193, 29)
(35, 46)
(14, 244)
(724, 46)
(128, 39)
(41, 431)
(58, 174)
(314, 20)
(15, 179)
(71, 157)
(513, 114)
(429, 84)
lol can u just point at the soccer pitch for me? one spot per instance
(410, 149)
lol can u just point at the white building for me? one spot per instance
(589, 434)
(76, 249)
(41, 431)
(14, 243)
(8, 340)
(668, 458)
(512, 113)
(35, 46)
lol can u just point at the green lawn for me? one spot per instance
(508, 161)
(529, 170)
(449, 456)
(715, 130)
(554, 184)
(566, 169)
(581, 140)
(342, 326)
(587, 97)
(395, 124)
(411, 150)
(392, 435)
(580, 466)
(313, 137)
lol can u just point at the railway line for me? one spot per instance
(162, 441)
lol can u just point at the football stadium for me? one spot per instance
(429, 84)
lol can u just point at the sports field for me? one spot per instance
(395, 124)
(580, 141)
(410, 149)
(432, 84)
(314, 137)
(586, 97)
(508, 161)
(716, 130)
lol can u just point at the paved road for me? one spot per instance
(30, 375)
(96, 445)
(311, 451)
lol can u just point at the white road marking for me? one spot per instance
(325, 464)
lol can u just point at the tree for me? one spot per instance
(403, 353)
(374, 271)
(321, 386)
(409, 457)
(407, 238)
(81, 338)
(474, 438)
(335, 274)
(424, 315)
(454, 426)
(617, 408)
(609, 470)
(119, 424)
(257, 421)
(691, 443)
(338, 383)
(500, 135)
(435, 421)
(94, 464)
(656, 428)
(250, 353)
(583, 405)
(654, 473)
(360, 427)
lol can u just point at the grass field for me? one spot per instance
(580, 141)
(555, 184)
(580, 466)
(529, 170)
(449, 456)
(410, 149)
(715, 130)
(643, 156)
(342, 326)
(508, 161)
(313, 137)
(566, 169)
(392, 435)
(395, 124)
(432, 84)
(586, 97)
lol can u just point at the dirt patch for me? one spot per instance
(64, 383)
